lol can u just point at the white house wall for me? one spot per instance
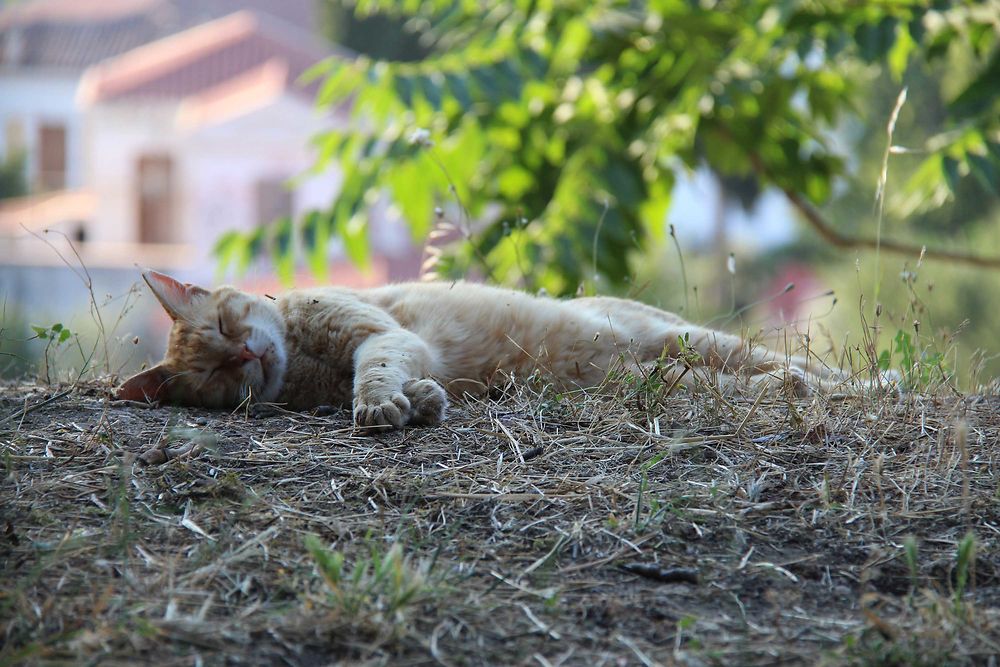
(229, 159)
(115, 136)
(36, 97)
(216, 167)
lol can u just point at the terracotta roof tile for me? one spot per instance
(200, 59)
(75, 34)
(247, 91)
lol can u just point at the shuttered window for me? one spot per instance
(274, 200)
(51, 157)
(155, 195)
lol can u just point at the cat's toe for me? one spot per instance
(326, 410)
(797, 382)
(792, 381)
(264, 411)
(386, 413)
(428, 402)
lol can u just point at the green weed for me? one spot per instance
(920, 369)
(380, 586)
(910, 552)
(55, 337)
(965, 563)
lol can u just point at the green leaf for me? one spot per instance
(899, 55)
(315, 234)
(412, 187)
(458, 89)
(430, 90)
(654, 210)
(875, 39)
(330, 564)
(924, 190)
(256, 241)
(233, 249)
(515, 181)
(41, 332)
(354, 233)
(980, 95)
(283, 249)
(319, 69)
(64, 336)
(343, 79)
(571, 46)
(993, 148)
(984, 171)
(949, 169)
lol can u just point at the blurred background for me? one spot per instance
(821, 174)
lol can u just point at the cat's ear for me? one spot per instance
(177, 298)
(149, 385)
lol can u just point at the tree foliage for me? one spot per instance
(12, 180)
(555, 129)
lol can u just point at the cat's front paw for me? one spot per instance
(428, 402)
(377, 411)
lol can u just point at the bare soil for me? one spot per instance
(530, 528)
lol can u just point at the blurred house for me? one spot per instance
(150, 127)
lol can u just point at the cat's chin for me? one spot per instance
(272, 374)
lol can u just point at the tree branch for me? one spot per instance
(835, 238)
(839, 240)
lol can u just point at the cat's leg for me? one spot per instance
(383, 365)
(659, 333)
(613, 308)
(764, 368)
(791, 381)
(674, 374)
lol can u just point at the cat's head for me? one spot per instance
(225, 346)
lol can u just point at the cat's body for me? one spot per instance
(389, 351)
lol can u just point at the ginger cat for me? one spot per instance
(391, 351)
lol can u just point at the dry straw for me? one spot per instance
(531, 528)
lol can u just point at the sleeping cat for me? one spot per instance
(392, 351)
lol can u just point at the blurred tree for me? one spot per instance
(377, 35)
(924, 151)
(549, 134)
(12, 180)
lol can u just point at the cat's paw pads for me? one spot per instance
(374, 412)
(428, 402)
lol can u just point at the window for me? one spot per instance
(51, 157)
(155, 195)
(274, 200)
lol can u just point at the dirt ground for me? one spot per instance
(530, 529)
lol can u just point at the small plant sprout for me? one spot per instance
(54, 336)
(380, 586)
(965, 565)
(910, 553)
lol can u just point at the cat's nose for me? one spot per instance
(248, 355)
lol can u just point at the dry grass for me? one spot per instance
(529, 529)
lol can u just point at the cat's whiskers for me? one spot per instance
(168, 379)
